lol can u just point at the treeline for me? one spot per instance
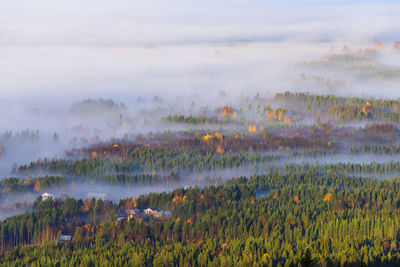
(344, 109)
(129, 171)
(146, 159)
(97, 106)
(361, 63)
(316, 139)
(376, 150)
(342, 221)
(191, 119)
(209, 144)
(14, 185)
(21, 185)
(149, 169)
(389, 169)
(25, 135)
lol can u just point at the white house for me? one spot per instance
(149, 211)
(153, 213)
(46, 196)
(66, 238)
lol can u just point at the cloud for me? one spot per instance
(56, 52)
(77, 49)
(121, 22)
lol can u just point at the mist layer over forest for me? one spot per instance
(38, 127)
(131, 123)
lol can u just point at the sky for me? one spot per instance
(125, 23)
(63, 51)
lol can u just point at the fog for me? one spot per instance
(352, 159)
(15, 203)
(69, 50)
(162, 57)
(156, 22)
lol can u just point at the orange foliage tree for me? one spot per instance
(36, 186)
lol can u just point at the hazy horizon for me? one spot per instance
(70, 50)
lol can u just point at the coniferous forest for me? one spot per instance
(208, 133)
(292, 203)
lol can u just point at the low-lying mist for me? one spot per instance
(15, 203)
(69, 80)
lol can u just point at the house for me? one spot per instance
(153, 213)
(97, 196)
(65, 238)
(149, 211)
(46, 196)
(121, 219)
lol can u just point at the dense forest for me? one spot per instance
(213, 133)
(262, 186)
(334, 220)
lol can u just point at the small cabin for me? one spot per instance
(65, 238)
(121, 219)
(46, 196)
(153, 213)
(149, 211)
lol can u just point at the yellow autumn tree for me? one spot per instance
(220, 149)
(134, 202)
(327, 197)
(207, 137)
(228, 111)
(280, 114)
(210, 137)
(271, 115)
(266, 257)
(224, 246)
(28, 181)
(363, 109)
(218, 136)
(224, 111)
(36, 186)
(252, 129)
